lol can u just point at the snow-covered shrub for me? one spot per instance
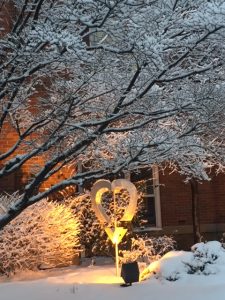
(92, 237)
(170, 267)
(46, 233)
(147, 249)
(205, 259)
(204, 256)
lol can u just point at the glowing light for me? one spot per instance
(116, 235)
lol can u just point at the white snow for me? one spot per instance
(204, 260)
(100, 282)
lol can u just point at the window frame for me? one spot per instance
(156, 195)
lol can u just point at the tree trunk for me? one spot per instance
(195, 211)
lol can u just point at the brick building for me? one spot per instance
(176, 207)
(169, 207)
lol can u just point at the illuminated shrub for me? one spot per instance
(92, 237)
(45, 233)
(147, 249)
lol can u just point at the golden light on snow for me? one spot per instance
(88, 275)
(153, 267)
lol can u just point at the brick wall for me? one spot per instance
(175, 198)
(212, 200)
(176, 204)
(18, 179)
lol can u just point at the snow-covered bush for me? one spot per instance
(205, 256)
(92, 237)
(204, 259)
(147, 249)
(46, 233)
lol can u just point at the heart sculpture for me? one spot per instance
(102, 186)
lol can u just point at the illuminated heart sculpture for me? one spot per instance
(102, 186)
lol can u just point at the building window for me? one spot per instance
(148, 216)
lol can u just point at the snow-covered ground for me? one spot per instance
(100, 283)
